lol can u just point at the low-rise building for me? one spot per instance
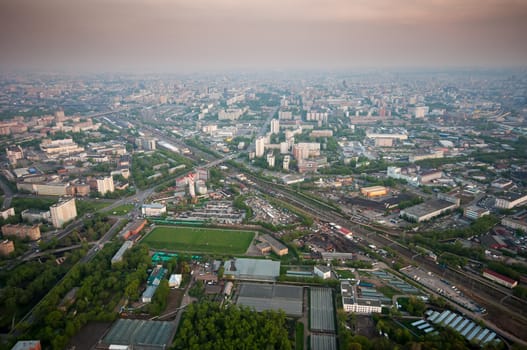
(118, 256)
(430, 209)
(499, 278)
(6, 247)
(374, 191)
(252, 269)
(175, 280)
(474, 212)
(510, 200)
(515, 223)
(277, 247)
(351, 303)
(322, 271)
(35, 215)
(4, 214)
(22, 231)
(153, 209)
(27, 345)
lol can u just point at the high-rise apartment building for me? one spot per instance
(63, 212)
(260, 146)
(275, 126)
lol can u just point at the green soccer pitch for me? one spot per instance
(203, 240)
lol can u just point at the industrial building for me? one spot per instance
(430, 209)
(277, 247)
(63, 212)
(510, 200)
(499, 278)
(118, 257)
(138, 334)
(271, 297)
(374, 191)
(321, 310)
(252, 269)
(351, 303)
(474, 212)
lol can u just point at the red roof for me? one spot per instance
(500, 276)
(345, 231)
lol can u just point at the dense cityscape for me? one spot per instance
(278, 174)
(377, 209)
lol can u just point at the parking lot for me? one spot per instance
(441, 286)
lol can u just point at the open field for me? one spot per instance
(203, 240)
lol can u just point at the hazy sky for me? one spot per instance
(181, 35)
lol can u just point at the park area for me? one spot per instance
(199, 240)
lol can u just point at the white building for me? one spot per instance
(275, 126)
(260, 146)
(322, 271)
(105, 185)
(270, 159)
(63, 212)
(510, 200)
(474, 212)
(287, 160)
(175, 281)
(351, 303)
(154, 209)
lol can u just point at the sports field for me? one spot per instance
(202, 240)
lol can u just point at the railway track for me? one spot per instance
(486, 290)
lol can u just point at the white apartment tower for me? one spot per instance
(105, 185)
(63, 212)
(270, 159)
(275, 126)
(260, 146)
(287, 160)
(191, 186)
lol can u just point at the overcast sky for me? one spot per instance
(189, 35)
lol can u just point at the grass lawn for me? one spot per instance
(345, 274)
(122, 209)
(87, 206)
(388, 291)
(204, 240)
(299, 336)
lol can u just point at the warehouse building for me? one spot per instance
(252, 269)
(118, 257)
(430, 209)
(276, 297)
(277, 247)
(499, 278)
(138, 334)
(374, 191)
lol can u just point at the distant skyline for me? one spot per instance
(194, 35)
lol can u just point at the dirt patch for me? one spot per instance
(174, 299)
(365, 326)
(88, 336)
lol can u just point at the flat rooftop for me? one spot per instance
(428, 207)
(271, 297)
(141, 332)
